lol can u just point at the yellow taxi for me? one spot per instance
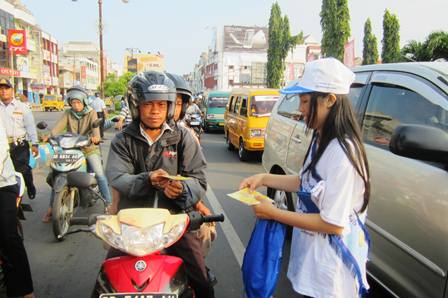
(246, 117)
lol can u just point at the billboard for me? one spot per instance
(17, 41)
(242, 38)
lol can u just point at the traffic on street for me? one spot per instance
(253, 149)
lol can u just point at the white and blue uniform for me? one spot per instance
(318, 264)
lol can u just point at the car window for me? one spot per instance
(391, 105)
(355, 94)
(289, 106)
(237, 105)
(217, 102)
(232, 104)
(243, 110)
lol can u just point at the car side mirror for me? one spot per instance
(420, 142)
(97, 123)
(42, 125)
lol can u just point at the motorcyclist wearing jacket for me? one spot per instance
(149, 149)
(79, 119)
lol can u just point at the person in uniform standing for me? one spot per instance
(101, 110)
(12, 251)
(20, 129)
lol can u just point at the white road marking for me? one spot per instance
(232, 237)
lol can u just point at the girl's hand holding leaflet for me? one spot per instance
(265, 209)
(252, 182)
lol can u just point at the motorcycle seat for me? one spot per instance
(81, 179)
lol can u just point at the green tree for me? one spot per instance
(370, 49)
(116, 86)
(434, 47)
(273, 67)
(280, 43)
(391, 38)
(335, 23)
(437, 45)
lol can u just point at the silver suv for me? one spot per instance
(403, 111)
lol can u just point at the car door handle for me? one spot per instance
(297, 139)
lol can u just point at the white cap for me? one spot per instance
(327, 75)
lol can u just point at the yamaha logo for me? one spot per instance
(140, 266)
(160, 88)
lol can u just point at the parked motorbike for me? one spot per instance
(194, 121)
(72, 185)
(145, 270)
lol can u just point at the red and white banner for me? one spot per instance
(17, 41)
(9, 72)
(349, 54)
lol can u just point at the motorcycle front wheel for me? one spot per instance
(61, 214)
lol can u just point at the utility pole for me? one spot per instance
(100, 25)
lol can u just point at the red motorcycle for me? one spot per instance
(145, 271)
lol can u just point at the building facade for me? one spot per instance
(237, 58)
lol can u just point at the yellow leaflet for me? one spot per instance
(178, 178)
(247, 197)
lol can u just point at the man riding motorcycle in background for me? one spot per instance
(79, 119)
(148, 150)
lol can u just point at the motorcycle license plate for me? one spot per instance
(65, 158)
(139, 295)
(195, 123)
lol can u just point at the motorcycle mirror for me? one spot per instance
(42, 125)
(97, 123)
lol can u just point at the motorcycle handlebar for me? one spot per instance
(214, 218)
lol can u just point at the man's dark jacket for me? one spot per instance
(131, 160)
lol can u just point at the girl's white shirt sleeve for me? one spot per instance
(343, 187)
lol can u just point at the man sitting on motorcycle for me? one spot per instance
(79, 119)
(148, 150)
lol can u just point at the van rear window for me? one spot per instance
(217, 102)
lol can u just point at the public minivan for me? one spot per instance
(214, 108)
(52, 102)
(246, 117)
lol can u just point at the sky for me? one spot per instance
(182, 29)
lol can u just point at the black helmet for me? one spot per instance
(148, 86)
(77, 92)
(183, 89)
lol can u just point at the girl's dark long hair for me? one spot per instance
(341, 124)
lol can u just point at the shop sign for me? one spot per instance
(17, 41)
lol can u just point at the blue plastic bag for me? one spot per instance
(262, 259)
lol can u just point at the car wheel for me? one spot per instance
(229, 144)
(284, 201)
(243, 154)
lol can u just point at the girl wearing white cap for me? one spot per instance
(330, 241)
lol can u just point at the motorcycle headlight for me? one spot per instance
(256, 133)
(141, 241)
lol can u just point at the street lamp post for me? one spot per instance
(100, 27)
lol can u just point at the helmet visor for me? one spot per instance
(155, 96)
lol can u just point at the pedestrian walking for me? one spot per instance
(101, 110)
(330, 241)
(20, 128)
